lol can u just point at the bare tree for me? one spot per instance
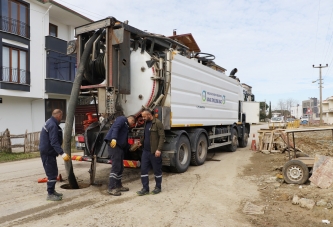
(290, 102)
(282, 106)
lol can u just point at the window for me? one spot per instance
(15, 17)
(14, 65)
(53, 30)
(51, 104)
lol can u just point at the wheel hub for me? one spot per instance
(183, 156)
(295, 173)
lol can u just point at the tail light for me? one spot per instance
(80, 139)
(130, 141)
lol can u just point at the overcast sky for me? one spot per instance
(273, 43)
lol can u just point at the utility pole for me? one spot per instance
(320, 90)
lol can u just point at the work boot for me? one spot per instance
(57, 194)
(114, 192)
(142, 192)
(123, 189)
(53, 197)
(156, 191)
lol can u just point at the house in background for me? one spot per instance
(36, 74)
(296, 111)
(328, 110)
(310, 108)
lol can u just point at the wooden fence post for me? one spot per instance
(25, 141)
(8, 143)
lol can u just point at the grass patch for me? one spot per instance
(9, 157)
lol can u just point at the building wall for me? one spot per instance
(22, 110)
(38, 114)
(15, 114)
(65, 32)
(296, 111)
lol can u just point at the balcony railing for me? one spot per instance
(14, 26)
(60, 66)
(14, 75)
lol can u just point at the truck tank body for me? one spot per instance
(201, 96)
(143, 88)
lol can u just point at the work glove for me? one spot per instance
(113, 143)
(65, 157)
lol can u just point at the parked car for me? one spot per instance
(304, 122)
(277, 120)
(290, 119)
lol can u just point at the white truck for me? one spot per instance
(129, 69)
(252, 110)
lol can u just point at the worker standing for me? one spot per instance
(117, 138)
(50, 147)
(151, 156)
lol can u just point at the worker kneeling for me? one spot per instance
(117, 138)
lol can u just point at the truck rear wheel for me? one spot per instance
(200, 155)
(182, 156)
(234, 141)
(243, 141)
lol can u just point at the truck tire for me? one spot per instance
(199, 156)
(234, 141)
(295, 172)
(182, 156)
(243, 141)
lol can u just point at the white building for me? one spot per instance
(296, 111)
(327, 110)
(36, 75)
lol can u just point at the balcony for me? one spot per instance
(14, 26)
(14, 79)
(60, 72)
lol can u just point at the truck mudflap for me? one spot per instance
(170, 156)
(167, 157)
(127, 163)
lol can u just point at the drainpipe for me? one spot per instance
(43, 53)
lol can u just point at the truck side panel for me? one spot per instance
(201, 96)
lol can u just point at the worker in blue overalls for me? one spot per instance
(117, 138)
(50, 148)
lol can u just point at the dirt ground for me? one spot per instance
(213, 194)
(277, 196)
(207, 195)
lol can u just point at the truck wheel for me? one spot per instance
(295, 172)
(243, 141)
(234, 141)
(182, 156)
(200, 155)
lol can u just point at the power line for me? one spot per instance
(329, 25)
(316, 33)
(90, 12)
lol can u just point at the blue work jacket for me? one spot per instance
(51, 138)
(119, 132)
